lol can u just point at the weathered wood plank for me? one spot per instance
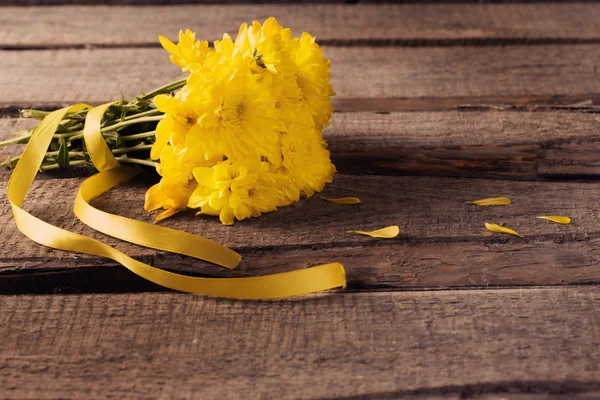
(513, 145)
(67, 76)
(331, 23)
(378, 345)
(443, 241)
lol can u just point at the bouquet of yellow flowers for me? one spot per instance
(240, 136)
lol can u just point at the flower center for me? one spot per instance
(240, 110)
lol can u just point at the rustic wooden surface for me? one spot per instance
(443, 242)
(450, 344)
(437, 104)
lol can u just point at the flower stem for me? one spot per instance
(72, 154)
(122, 114)
(56, 166)
(16, 140)
(138, 136)
(164, 89)
(123, 150)
(119, 125)
(148, 163)
(143, 114)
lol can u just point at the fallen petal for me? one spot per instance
(501, 229)
(343, 200)
(166, 214)
(492, 201)
(559, 219)
(385, 233)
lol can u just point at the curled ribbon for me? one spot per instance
(111, 173)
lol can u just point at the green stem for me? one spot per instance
(138, 136)
(73, 124)
(164, 89)
(84, 162)
(119, 125)
(149, 163)
(56, 166)
(40, 114)
(123, 150)
(123, 124)
(15, 140)
(143, 114)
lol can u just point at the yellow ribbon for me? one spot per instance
(314, 279)
(133, 231)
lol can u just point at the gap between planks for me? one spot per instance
(384, 42)
(495, 344)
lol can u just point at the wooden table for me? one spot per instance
(437, 104)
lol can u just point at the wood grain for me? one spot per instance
(331, 23)
(443, 241)
(506, 145)
(514, 145)
(65, 76)
(344, 345)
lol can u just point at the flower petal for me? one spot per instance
(204, 176)
(226, 215)
(343, 200)
(492, 201)
(501, 229)
(166, 214)
(559, 219)
(384, 233)
(155, 198)
(168, 45)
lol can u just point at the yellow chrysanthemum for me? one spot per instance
(289, 101)
(305, 161)
(188, 53)
(170, 195)
(177, 163)
(235, 189)
(313, 79)
(237, 117)
(244, 135)
(174, 127)
(270, 46)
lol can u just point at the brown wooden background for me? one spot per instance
(438, 103)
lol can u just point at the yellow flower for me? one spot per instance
(305, 161)
(177, 163)
(170, 195)
(313, 79)
(174, 127)
(235, 189)
(244, 135)
(237, 117)
(270, 46)
(189, 54)
(176, 186)
(222, 63)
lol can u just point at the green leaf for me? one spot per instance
(63, 154)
